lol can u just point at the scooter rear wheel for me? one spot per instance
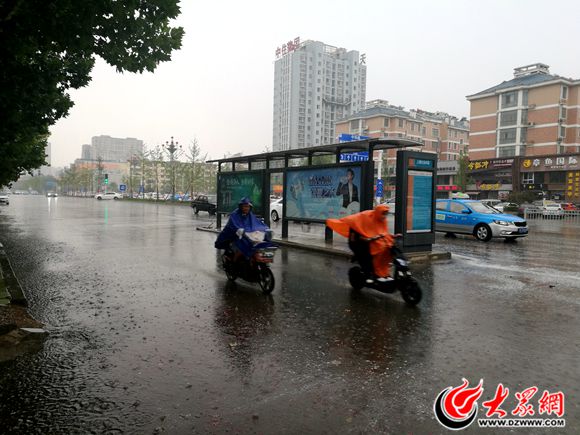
(411, 292)
(356, 277)
(266, 280)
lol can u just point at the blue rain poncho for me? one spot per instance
(237, 220)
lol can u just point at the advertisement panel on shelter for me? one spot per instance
(419, 201)
(237, 185)
(322, 193)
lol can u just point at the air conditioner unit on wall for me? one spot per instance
(531, 106)
(562, 120)
(531, 124)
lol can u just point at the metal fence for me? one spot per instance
(565, 215)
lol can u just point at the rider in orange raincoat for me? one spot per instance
(369, 239)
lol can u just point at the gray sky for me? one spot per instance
(219, 87)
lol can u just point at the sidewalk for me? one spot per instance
(311, 238)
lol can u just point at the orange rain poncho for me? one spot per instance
(369, 223)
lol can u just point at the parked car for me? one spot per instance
(568, 206)
(107, 195)
(4, 198)
(51, 195)
(553, 211)
(484, 222)
(204, 203)
(276, 209)
(529, 210)
(506, 206)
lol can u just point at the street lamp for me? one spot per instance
(174, 150)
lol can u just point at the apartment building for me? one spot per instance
(533, 114)
(525, 135)
(314, 85)
(438, 132)
(112, 149)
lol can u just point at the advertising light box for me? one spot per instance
(322, 193)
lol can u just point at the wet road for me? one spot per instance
(146, 334)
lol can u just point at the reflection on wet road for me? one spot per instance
(147, 334)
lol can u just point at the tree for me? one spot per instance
(48, 48)
(463, 178)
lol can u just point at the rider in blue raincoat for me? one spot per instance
(241, 221)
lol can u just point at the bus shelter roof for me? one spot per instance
(339, 148)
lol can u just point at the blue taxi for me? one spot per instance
(478, 219)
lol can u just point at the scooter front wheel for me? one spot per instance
(229, 268)
(356, 277)
(411, 291)
(266, 280)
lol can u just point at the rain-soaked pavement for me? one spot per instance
(147, 335)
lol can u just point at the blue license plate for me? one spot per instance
(522, 230)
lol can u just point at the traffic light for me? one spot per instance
(106, 178)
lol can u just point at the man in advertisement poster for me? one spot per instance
(348, 189)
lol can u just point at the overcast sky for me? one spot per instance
(218, 88)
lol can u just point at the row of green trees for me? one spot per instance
(152, 169)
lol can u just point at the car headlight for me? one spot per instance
(504, 223)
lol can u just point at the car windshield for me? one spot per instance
(479, 207)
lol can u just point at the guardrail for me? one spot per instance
(565, 215)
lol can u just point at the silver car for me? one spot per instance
(107, 195)
(4, 198)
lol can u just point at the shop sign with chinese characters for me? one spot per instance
(539, 164)
(573, 186)
(484, 165)
(289, 47)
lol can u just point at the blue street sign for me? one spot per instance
(122, 187)
(344, 137)
(379, 192)
(360, 156)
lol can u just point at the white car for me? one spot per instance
(276, 210)
(4, 198)
(107, 195)
(553, 210)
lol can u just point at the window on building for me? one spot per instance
(563, 113)
(562, 133)
(524, 117)
(424, 131)
(506, 151)
(386, 122)
(557, 177)
(354, 124)
(524, 135)
(507, 135)
(401, 122)
(528, 178)
(435, 132)
(525, 97)
(564, 94)
(509, 99)
(508, 118)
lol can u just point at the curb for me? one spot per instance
(416, 257)
(12, 285)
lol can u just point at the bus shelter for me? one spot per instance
(328, 181)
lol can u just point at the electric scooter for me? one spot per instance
(402, 279)
(255, 268)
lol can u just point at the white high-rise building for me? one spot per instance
(314, 85)
(113, 149)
